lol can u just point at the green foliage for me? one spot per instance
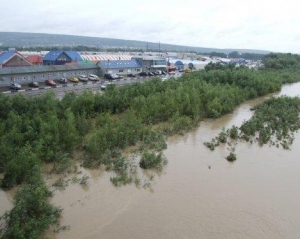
(154, 140)
(279, 61)
(152, 161)
(231, 157)
(31, 214)
(23, 167)
(274, 123)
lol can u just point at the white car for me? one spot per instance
(103, 86)
(83, 78)
(93, 77)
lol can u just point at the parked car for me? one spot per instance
(63, 80)
(74, 79)
(15, 86)
(105, 84)
(150, 73)
(164, 73)
(110, 76)
(83, 78)
(93, 77)
(33, 84)
(119, 76)
(143, 73)
(50, 82)
(131, 75)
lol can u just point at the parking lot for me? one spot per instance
(61, 89)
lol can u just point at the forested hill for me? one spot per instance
(17, 39)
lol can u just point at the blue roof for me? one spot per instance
(116, 64)
(74, 55)
(53, 55)
(179, 63)
(5, 55)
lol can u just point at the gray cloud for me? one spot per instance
(231, 24)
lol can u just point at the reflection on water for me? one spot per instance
(198, 195)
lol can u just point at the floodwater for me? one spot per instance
(199, 194)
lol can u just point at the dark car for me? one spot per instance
(110, 76)
(131, 75)
(50, 82)
(33, 84)
(150, 73)
(143, 73)
(15, 86)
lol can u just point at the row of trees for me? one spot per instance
(104, 124)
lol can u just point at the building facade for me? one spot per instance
(24, 75)
(122, 67)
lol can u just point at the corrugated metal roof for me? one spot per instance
(102, 57)
(115, 64)
(42, 69)
(5, 55)
(53, 55)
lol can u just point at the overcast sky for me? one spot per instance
(240, 24)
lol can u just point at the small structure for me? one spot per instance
(61, 57)
(35, 60)
(13, 58)
(122, 67)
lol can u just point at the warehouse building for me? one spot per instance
(122, 67)
(24, 75)
(13, 58)
(61, 58)
(151, 63)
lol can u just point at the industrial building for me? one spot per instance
(24, 75)
(151, 63)
(61, 58)
(13, 58)
(122, 67)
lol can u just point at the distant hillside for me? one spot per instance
(17, 39)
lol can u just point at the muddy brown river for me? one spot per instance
(199, 194)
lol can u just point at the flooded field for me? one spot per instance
(199, 194)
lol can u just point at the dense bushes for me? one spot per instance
(273, 123)
(45, 129)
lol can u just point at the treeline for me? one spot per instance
(281, 61)
(44, 129)
(235, 54)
